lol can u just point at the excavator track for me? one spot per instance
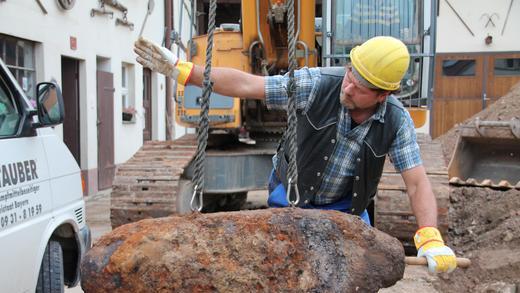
(393, 213)
(146, 186)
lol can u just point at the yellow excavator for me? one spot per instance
(258, 45)
(243, 134)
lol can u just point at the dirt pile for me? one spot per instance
(485, 227)
(484, 222)
(504, 109)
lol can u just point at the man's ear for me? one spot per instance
(382, 96)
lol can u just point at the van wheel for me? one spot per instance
(50, 278)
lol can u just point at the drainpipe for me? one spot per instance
(168, 21)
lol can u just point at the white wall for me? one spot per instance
(452, 35)
(96, 36)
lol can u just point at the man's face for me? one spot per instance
(355, 96)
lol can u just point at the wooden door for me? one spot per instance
(147, 104)
(105, 127)
(466, 83)
(503, 71)
(70, 90)
(458, 90)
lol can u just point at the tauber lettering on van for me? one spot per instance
(43, 230)
(18, 172)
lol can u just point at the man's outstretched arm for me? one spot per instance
(226, 81)
(231, 82)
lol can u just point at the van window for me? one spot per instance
(9, 116)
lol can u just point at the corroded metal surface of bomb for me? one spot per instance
(273, 250)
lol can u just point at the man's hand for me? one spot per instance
(156, 58)
(429, 243)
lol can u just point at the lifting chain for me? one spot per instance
(292, 172)
(196, 202)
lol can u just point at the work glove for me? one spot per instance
(429, 243)
(162, 60)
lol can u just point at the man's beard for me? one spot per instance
(346, 101)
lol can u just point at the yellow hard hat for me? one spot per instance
(382, 61)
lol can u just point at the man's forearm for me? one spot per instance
(422, 199)
(424, 205)
(231, 82)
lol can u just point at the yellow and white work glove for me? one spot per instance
(162, 60)
(429, 243)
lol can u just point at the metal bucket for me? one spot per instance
(487, 154)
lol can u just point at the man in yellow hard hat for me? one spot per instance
(348, 121)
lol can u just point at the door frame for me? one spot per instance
(73, 112)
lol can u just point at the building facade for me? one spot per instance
(477, 58)
(112, 104)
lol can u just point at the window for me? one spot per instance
(507, 66)
(355, 21)
(9, 117)
(458, 67)
(124, 86)
(127, 92)
(18, 55)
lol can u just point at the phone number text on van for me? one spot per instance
(20, 215)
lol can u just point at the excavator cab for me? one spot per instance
(487, 155)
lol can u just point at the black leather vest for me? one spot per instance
(317, 131)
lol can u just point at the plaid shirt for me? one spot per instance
(404, 151)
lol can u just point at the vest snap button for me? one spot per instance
(312, 188)
(325, 158)
(357, 178)
(355, 194)
(353, 210)
(358, 160)
(333, 140)
(318, 174)
(306, 201)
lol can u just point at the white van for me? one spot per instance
(43, 234)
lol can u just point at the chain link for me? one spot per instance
(195, 204)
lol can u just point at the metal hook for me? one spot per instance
(193, 206)
(290, 185)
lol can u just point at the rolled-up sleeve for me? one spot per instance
(404, 152)
(276, 94)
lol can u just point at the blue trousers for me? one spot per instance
(278, 199)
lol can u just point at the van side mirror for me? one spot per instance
(49, 104)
